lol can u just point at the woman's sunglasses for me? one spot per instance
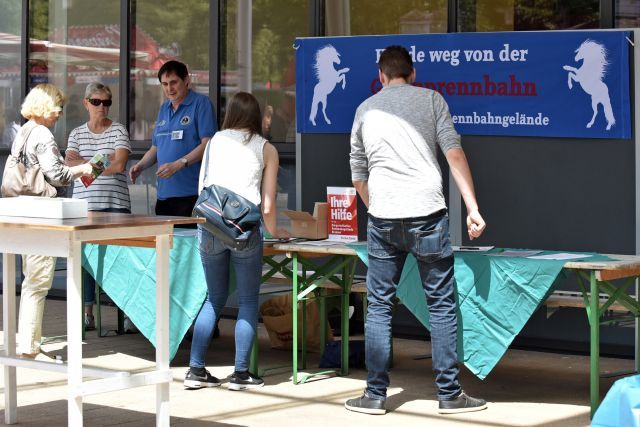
(96, 102)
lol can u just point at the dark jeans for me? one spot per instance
(88, 282)
(177, 206)
(217, 260)
(389, 242)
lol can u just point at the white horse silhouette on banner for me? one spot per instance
(328, 78)
(590, 76)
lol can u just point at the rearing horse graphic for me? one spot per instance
(590, 75)
(328, 78)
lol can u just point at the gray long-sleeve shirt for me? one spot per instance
(41, 149)
(394, 143)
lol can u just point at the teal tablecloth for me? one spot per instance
(496, 296)
(128, 276)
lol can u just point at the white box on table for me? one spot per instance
(43, 207)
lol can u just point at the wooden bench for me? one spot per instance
(560, 299)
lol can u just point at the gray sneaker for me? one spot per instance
(366, 405)
(462, 403)
(89, 322)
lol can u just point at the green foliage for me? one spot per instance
(183, 22)
(39, 19)
(266, 51)
(10, 18)
(383, 17)
(556, 15)
(93, 12)
(276, 24)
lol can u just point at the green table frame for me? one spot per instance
(595, 278)
(308, 267)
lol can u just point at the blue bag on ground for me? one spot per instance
(621, 405)
(331, 355)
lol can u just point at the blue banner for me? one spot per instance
(550, 83)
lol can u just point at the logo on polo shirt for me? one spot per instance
(185, 120)
(162, 123)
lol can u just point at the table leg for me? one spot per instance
(294, 304)
(594, 321)
(9, 322)
(322, 306)
(347, 277)
(303, 323)
(162, 327)
(637, 326)
(253, 360)
(74, 334)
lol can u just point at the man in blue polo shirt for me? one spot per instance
(186, 122)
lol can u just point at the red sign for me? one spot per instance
(343, 214)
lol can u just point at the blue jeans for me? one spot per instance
(247, 265)
(88, 282)
(389, 242)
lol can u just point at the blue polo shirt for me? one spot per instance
(175, 135)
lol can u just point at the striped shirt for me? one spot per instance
(109, 191)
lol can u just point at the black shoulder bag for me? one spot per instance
(230, 217)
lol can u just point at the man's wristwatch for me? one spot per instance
(184, 162)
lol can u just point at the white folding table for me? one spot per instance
(64, 238)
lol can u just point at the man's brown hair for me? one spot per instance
(396, 62)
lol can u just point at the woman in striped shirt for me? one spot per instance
(109, 192)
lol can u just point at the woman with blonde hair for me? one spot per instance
(42, 107)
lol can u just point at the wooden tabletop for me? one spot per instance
(95, 220)
(620, 266)
(301, 247)
(618, 262)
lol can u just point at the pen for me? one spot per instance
(469, 248)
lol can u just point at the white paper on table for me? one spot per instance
(184, 232)
(325, 242)
(518, 254)
(472, 248)
(561, 256)
(277, 240)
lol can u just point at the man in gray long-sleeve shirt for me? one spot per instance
(394, 168)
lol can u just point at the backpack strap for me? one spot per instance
(206, 162)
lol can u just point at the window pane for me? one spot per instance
(361, 17)
(73, 44)
(10, 66)
(527, 15)
(165, 30)
(257, 56)
(627, 13)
